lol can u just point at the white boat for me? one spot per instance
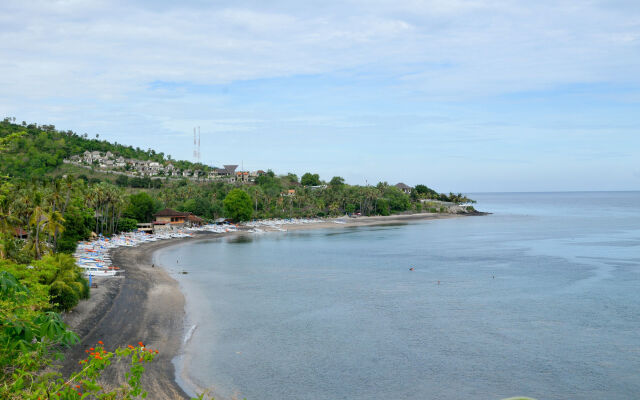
(97, 271)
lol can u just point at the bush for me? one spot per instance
(81, 288)
(127, 224)
(122, 180)
(383, 207)
(63, 297)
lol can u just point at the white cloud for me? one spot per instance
(412, 76)
(70, 48)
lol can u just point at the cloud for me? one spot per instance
(71, 48)
(409, 83)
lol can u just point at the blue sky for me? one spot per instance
(459, 95)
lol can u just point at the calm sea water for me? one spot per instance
(542, 299)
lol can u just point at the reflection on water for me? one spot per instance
(240, 238)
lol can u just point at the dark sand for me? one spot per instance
(147, 305)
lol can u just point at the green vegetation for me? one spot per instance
(310, 179)
(29, 150)
(32, 333)
(32, 150)
(237, 205)
(46, 207)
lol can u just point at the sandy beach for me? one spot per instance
(147, 305)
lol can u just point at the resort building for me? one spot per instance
(405, 188)
(170, 216)
(169, 219)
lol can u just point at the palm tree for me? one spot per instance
(8, 223)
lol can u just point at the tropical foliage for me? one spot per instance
(44, 213)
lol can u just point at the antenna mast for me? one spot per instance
(195, 151)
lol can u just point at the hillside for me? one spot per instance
(41, 149)
(40, 152)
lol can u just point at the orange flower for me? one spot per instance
(140, 359)
(92, 349)
(156, 351)
(140, 343)
(130, 346)
(100, 341)
(77, 386)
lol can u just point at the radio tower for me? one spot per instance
(196, 145)
(195, 149)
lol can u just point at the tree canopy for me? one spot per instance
(237, 205)
(310, 179)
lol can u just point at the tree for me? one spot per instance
(336, 181)
(290, 178)
(78, 221)
(237, 205)
(140, 207)
(425, 192)
(122, 180)
(127, 224)
(310, 179)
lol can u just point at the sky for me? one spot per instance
(460, 95)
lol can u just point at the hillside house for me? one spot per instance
(242, 176)
(405, 188)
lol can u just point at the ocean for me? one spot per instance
(541, 299)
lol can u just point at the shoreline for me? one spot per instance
(148, 305)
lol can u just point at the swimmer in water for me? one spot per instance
(411, 269)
